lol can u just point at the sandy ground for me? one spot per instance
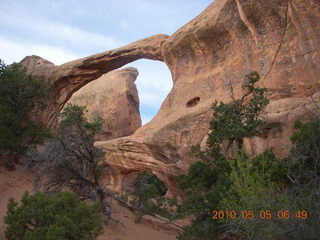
(15, 183)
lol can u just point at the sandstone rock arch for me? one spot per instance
(280, 39)
(70, 77)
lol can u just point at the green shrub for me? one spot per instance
(20, 94)
(201, 176)
(255, 183)
(266, 183)
(147, 196)
(251, 185)
(303, 171)
(208, 181)
(57, 217)
(148, 186)
(304, 160)
(69, 160)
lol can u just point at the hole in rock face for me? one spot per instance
(144, 183)
(193, 102)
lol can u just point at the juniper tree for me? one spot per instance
(20, 94)
(59, 216)
(208, 180)
(70, 160)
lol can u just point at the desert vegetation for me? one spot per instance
(69, 160)
(20, 95)
(276, 198)
(58, 216)
(73, 202)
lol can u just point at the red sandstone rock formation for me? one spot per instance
(114, 97)
(70, 77)
(278, 38)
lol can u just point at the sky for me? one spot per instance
(64, 30)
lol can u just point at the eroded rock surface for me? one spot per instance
(278, 38)
(113, 97)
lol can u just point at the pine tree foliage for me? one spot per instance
(20, 94)
(234, 121)
(59, 216)
(228, 179)
(303, 172)
(255, 183)
(209, 180)
(146, 196)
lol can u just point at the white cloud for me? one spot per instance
(76, 36)
(54, 32)
(26, 30)
(14, 52)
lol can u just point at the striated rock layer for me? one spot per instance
(113, 97)
(278, 38)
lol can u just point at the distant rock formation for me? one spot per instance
(114, 97)
(280, 39)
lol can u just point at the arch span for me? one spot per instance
(70, 77)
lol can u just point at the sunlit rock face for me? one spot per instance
(114, 98)
(278, 38)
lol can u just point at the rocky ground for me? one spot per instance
(15, 183)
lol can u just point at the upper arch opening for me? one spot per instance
(154, 84)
